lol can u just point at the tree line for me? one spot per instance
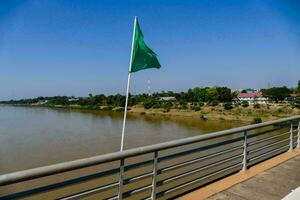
(196, 97)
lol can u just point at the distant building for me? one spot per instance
(253, 97)
(42, 102)
(292, 98)
(167, 99)
(73, 99)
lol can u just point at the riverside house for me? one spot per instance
(292, 98)
(253, 97)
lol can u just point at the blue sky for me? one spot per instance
(75, 47)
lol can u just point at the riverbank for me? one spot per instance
(266, 113)
(247, 115)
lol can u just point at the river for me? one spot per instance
(33, 137)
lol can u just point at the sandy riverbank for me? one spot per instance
(219, 113)
(266, 113)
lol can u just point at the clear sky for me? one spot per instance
(73, 47)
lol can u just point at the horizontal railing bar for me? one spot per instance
(268, 152)
(116, 197)
(267, 139)
(59, 185)
(147, 198)
(87, 162)
(210, 146)
(186, 163)
(197, 180)
(266, 131)
(137, 178)
(137, 190)
(138, 165)
(267, 146)
(173, 178)
(91, 191)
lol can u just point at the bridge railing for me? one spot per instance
(159, 171)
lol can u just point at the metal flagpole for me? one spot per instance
(128, 86)
(121, 178)
(125, 113)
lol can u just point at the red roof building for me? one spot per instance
(250, 95)
(253, 97)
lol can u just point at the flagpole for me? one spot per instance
(128, 86)
(120, 192)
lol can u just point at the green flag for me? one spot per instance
(142, 56)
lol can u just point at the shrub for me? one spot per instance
(297, 102)
(167, 106)
(201, 104)
(166, 110)
(237, 104)
(196, 108)
(203, 117)
(148, 103)
(280, 110)
(157, 105)
(245, 104)
(256, 105)
(228, 106)
(256, 120)
(214, 103)
(183, 104)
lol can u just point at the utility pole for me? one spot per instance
(149, 87)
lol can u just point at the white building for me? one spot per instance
(167, 99)
(254, 97)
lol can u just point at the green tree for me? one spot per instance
(277, 93)
(212, 94)
(149, 103)
(214, 103)
(183, 104)
(224, 94)
(199, 94)
(190, 95)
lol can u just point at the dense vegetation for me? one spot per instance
(196, 96)
(193, 99)
(277, 93)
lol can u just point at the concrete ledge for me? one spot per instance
(226, 183)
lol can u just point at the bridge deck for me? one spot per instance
(270, 180)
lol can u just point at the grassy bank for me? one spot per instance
(248, 114)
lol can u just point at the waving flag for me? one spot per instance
(142, 56)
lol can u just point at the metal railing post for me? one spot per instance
(121, 180)
(154, 176)
(298, 139)
(245, 152)
(291, 138)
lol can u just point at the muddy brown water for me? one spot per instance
(34, 137)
